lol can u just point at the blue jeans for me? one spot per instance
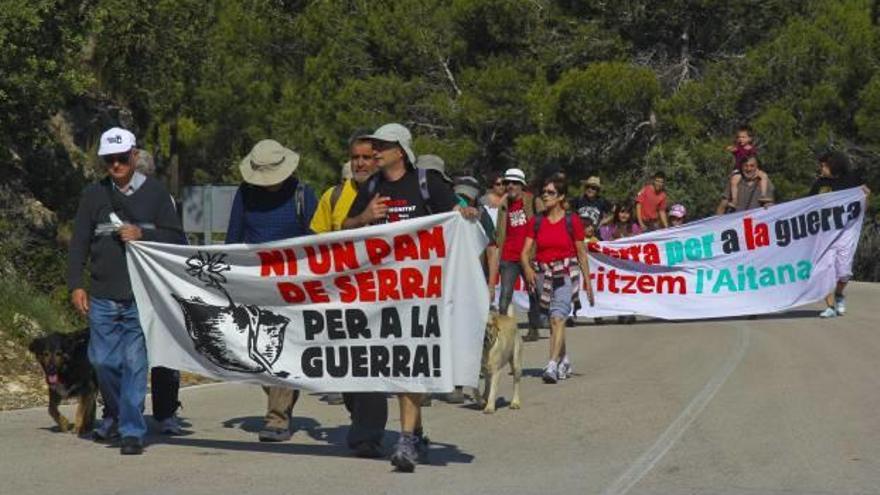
(119, 354)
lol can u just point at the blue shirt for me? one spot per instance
(259, 215)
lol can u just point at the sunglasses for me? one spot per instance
(548, 192)
(509, 182)
(121, 158)
(383, 145)
(592, 188)
(499, 183)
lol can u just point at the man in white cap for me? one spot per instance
(272, 205)
(400, 192)
(126, 206)
(514, 214)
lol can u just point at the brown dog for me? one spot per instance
(502, 345)
(65, 362)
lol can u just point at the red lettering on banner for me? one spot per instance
(344, 257)
(432, 240)
(274, 263)
(387, 284)
(366, 286)
(648, 253)
(435, 282)
(405, 248)
(291, 292)
(319, 264)
(377, 250)
(316, 292)
(411, 283)
(347, 292)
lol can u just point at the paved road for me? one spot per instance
(784, 404)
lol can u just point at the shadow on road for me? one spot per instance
(335, 445)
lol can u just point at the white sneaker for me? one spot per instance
(828, 313)
(550, 373)
(170, 426)
(840, 305)
(565, 370)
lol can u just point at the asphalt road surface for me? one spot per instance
(782, 404)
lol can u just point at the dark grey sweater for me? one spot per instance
(150, 204)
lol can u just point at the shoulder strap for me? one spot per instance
(538, 219)
(569, 225)
(334, 196)
(423, 189)
(299, 198)
(115, 205)
(373, 183)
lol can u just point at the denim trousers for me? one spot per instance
(510, 271)
(118, 352)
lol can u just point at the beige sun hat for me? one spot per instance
(268, 163)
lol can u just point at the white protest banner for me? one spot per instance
(759, 261)
(400, 307)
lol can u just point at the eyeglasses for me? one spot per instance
(548, 192)
(592, 188)
(120, 158)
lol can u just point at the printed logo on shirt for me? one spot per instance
(590, 212)
(399, 209)
(517, 218)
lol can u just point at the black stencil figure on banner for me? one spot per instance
(235, 337)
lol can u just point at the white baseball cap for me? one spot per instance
(515, 175)
(116, 140)
(395, 133)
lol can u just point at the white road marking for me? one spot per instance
(646, 462)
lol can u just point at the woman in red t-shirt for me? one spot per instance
(558, 241)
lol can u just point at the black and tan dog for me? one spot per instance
(65, 361)
(502, 345)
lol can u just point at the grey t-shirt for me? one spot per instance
(748, 196)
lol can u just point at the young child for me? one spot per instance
(623, 224)
(677, 215)
(742, 150)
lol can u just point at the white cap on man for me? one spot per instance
(116, 140)
(395, 133)
(515, 175)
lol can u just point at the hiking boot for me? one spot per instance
(422, 445)
(532, 336)
(840, 305)
(131, 446)
(828, 313)
(269, 434)
(405, 455)
(106, 431)
(550, 373)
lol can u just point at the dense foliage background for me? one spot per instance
(620, 87)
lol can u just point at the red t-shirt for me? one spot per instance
(553, 242)
(517, 224)
(651, 202)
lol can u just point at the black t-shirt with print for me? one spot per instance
(405, 197)
(830, 184)
(593, 209)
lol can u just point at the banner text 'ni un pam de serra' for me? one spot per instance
(399, 307)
